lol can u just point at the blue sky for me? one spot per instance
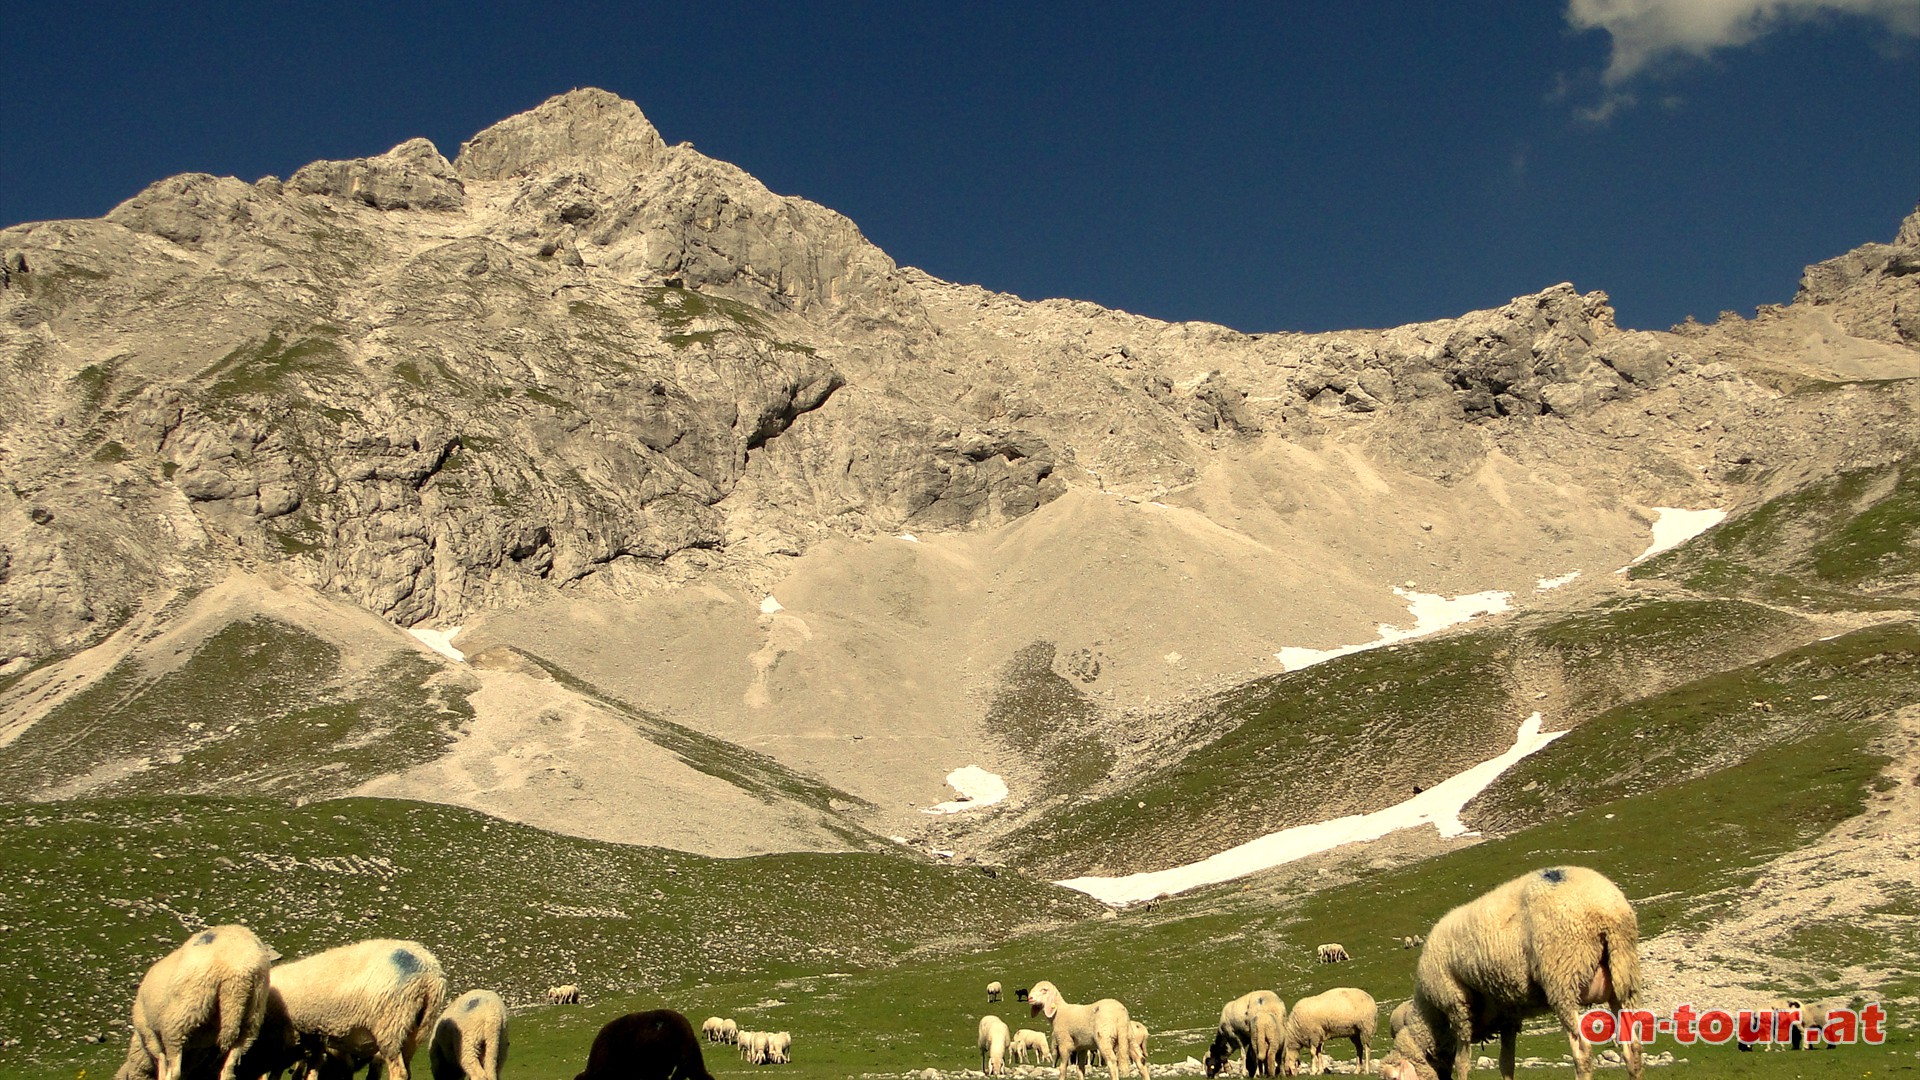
(1272, 166)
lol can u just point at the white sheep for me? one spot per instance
(374, 996)
(1264, 1042)
(993, 1039)
(1341, 1013)
(470, 1041)
(1236, 1027)
(1555, 940)
(780, 1048)
(1333, 953)
(1402, 1014)
(756, 1046)
(1137, 1040)
(710, 1028)
(568, 994)
(729, 1031)
(1101, 1029)
(1028, 1041)
(993, 990)
(210, 994)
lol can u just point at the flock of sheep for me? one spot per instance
(1558, 940)
(219, 997)
(756, 1047)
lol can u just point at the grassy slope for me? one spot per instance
(93, 891)
(261, 704)
(1413, 713)
(781, 923)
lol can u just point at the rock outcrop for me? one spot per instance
(579, 357)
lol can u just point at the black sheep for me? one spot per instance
(659, 1044)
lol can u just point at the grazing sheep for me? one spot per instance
(1555, 940)
(1236, 1028)
(993, 990)
(373, 999)
(780, 1048)
(470, 1041)
(563, 995)
(993, 1045)
(1020, 994)
(1137, 1040)
(1333, 953)
(207, 996)
(1341, 1013)
(710, 1028)
(1100, 1029)
(753, 1047)
(729, 1031)
(655, 1045)
(1809, 1018)
(1028, 1041)
(1402, 1013)
(1263, 1049)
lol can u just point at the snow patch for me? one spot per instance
(1673, 527)
(977, 788)
(1546, 583)
(1438, 806)
(440, 641)
(1431, 612)
(768, 605)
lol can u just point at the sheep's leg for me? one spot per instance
(1363, 1044)
(1509, 1041)
(1582, 1055)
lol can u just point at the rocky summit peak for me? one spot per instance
(588, 131)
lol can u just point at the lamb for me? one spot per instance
(470, 1041)
(1402, 1013)
(1555, 940)
(1102, 1028)
(370, 999)
(563, 995)
(993, 1045)
(1020, 994)
(1028, 1041)
(993, 990)
(1137, 1040)
(1341, 1013)
(1333, 953)
(207, 996)
(1236, 1028)
(655, 1045)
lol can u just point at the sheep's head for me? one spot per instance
(1043, 998)
(1217, 1056)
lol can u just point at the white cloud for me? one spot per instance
(1647, 31)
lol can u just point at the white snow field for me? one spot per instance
(1438, 806)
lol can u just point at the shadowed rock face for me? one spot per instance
(578, 355)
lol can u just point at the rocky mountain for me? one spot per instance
(737, 486)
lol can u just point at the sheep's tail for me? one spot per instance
(1620, 956)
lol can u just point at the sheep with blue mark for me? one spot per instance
(371, 999)
(1556, 940)
(209, 996)
(470, 1041)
